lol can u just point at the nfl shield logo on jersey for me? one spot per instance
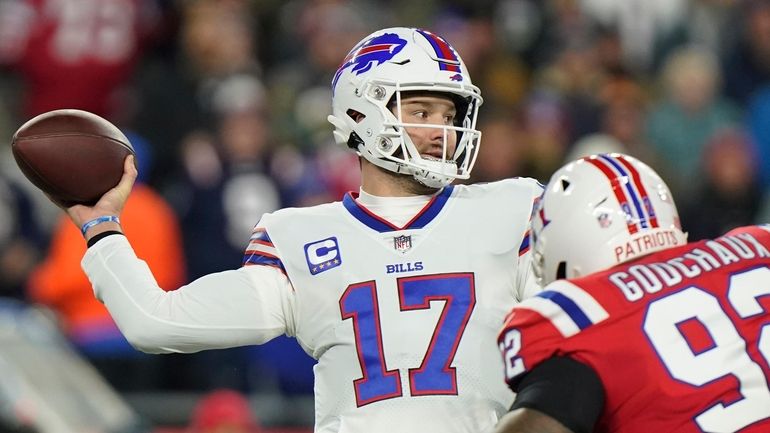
(402, 243)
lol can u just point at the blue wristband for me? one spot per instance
(95, 221)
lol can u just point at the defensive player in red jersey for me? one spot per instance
(637, 331)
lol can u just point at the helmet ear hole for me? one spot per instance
(355, 115)
(561, 271)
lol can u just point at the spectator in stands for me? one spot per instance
(21, 240)
(505, 147)
(75, 54)
(747, 63)
(223, 411)
(215, 41)
(691, 111)
(224, 190)
(729, 195)
(758, 124)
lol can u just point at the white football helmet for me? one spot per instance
(373, 77)
(600, 211)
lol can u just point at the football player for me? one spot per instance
(398, 290)
(636, 330)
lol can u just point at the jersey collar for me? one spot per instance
(374, 222)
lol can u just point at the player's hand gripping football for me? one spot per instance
(111, 203)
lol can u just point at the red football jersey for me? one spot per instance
(680, 339)
(74, 53)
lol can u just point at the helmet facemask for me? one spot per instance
(456, 162)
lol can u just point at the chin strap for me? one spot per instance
(354, 141)
(440, 175)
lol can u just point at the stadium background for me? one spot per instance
(226, 102)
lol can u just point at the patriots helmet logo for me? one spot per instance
(372, 52)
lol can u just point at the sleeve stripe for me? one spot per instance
(569, 308)
(260, 234)
(258, 248)
(551, 311)
(261, 253)
(587, 303)
(258, 259)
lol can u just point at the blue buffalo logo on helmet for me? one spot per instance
(374, 51)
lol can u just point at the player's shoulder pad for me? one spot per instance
(760, 230)
(514, 186)
(291, 215)
(568, 307)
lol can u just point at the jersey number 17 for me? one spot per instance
(435, 376)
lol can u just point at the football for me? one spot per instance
(72, 155)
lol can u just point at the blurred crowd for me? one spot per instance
(226, 102)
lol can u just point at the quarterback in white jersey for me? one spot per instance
(398, 290)
(400, 318)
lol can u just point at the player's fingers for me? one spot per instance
(111, 202)
(129, 175)
(129, 166)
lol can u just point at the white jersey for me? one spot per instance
(402, 320)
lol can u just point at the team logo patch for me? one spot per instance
(322, 255)
(648, 207)
(604, 220)
(402, 243)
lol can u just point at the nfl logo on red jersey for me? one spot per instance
(402, 243)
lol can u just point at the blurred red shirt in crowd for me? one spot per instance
(73, 53)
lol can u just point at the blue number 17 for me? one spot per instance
(435, 376)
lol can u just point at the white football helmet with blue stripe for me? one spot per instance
(600, 211)
(371, 80)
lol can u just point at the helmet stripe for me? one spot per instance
(642, 190)
(445, 55)
(617, 190)
(629, 187)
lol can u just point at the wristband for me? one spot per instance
(97, 237)
(95, 221)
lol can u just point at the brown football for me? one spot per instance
(72, 155)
